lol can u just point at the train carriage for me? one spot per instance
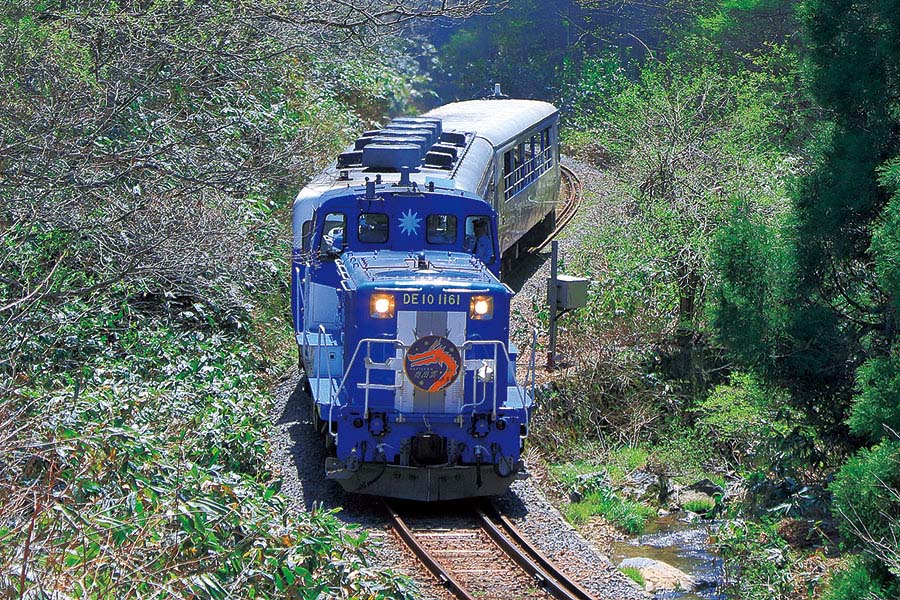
(399, 313)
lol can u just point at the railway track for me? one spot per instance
(476, 552)
(573, 192)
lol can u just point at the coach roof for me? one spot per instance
(498, 121)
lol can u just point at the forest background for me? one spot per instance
(149, 152)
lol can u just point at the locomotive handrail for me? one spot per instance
(369, 341)
(509, 361)
(399, 344)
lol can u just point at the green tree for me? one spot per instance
(831, 337)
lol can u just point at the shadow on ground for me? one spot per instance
(524, 269)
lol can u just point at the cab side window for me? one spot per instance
(480, 239)
(333, 234)
(373, 228)
(440, 229)
(306, 235)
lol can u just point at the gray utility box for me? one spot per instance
(571, 292)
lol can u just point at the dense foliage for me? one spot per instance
(537, 48)
(832, 338)
(747, 286)
(148, 154)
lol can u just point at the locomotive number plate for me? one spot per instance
(429, 299)
(432, 363)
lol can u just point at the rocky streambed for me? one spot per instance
(675, 557)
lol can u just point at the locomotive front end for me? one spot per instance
(415, 383)
(435, 413)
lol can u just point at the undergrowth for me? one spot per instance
(630, 515)
(133, 464)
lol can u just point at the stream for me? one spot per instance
(682, 544)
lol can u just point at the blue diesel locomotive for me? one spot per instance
(400, 316)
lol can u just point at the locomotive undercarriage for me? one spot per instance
(422, 483)
(468, 456)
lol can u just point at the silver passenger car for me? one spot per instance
(517, 168)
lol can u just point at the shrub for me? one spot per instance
(876, 409)
(758, 562)
(866, 497)
(853, 582)
(143, 472)
(629, 515)
(744, 416)
(699, 506)
(685, 456)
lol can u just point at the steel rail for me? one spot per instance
(550, 579)
(573, 199)
(509, 541)
(574, 590)
(423, 555)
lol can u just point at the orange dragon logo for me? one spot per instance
(432, 363)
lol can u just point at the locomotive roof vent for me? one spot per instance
(406, 143)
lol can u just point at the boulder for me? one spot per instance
(702, 491)
(587, 483)
(639, 484)
(659, 575)
(705, 486)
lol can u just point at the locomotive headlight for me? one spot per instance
(381, 306)
(481, 307)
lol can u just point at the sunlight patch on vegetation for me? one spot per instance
(629, 515)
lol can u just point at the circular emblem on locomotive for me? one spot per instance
(432, 363)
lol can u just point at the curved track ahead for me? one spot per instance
(573, 191)
(479, 553)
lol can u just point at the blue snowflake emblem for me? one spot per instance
(409, 222)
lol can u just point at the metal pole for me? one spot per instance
(551, 299)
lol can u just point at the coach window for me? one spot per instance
(333, 234)
(373, 228)
(440, 229)
(479, 240)
(508, 175)
(531, 158)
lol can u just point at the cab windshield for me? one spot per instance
(479, 238)
(440, 229)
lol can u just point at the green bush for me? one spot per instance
(144, 472)
(757, 559)
(745, 417)
(686, 456)
(855, 581)
(629, 515)
(866, 495)
(876, 409)
(699, 506)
